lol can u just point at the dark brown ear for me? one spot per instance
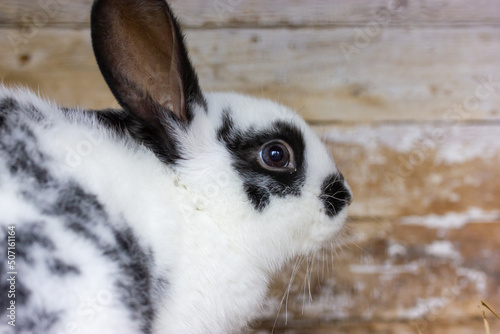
(141, 53)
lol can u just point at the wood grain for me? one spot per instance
(475, 326)
(406, 96)
(403, 75)
(281, 13)
(418, 170)
(395, 170)
(396, 272)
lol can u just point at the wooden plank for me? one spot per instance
(413, 169)
(58, 64)
(45, 13)
(360, 327)
(394, 170)
(262, 13)
(295, 13)
(396, 272)
(400, 75)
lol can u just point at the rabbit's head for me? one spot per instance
(252, 166)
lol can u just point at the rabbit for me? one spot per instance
(170, 215)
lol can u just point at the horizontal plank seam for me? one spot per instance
(424, 25)
(377, 219)
(410, 122)
(351, 322)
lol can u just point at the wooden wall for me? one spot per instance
(405, 93)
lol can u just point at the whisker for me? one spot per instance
(325, 263)
(286, 294)
(310, 279)
(348, 240)
(307, 281)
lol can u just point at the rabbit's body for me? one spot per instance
(169, 216)
(76, 253)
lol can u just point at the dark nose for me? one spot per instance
(335, 194)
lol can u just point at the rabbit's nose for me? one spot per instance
(335, 194)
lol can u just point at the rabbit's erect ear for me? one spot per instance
(140, 50)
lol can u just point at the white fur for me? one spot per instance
(215, 250)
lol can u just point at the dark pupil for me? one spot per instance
(276, 154)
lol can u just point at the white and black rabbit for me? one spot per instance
(169, 216)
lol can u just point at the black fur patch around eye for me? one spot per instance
(260, 183)
(334, 194)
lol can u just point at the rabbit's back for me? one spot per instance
(77, 267)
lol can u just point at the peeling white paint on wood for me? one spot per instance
(443, 249)
(423, 308)
(386, 269)
(451, 143)
(477, 277)
(452, 220)
(427, 237)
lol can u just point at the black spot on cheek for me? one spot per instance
(258, 196)
(334, 194)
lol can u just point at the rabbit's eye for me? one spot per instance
(276, 155)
